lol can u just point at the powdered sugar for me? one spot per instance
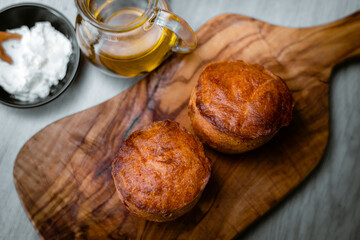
(39, 61)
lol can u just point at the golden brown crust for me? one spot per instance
(237, 106)
(218, 140)
(243, 100)
(160, 171)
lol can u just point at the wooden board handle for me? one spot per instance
(321, 47)
(338, 40)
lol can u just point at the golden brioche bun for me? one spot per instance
(237, 106)
(160, 171)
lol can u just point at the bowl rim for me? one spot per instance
(74, 44)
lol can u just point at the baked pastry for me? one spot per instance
(237, 106)
(160, 171)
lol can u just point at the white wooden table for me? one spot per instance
(325, 206)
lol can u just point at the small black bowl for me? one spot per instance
(28, 14)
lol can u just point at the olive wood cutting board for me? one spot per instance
(62, 174)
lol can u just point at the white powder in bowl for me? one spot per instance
(40, 60)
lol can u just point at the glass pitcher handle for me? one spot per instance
(186, 36)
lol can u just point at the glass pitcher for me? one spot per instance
(130, 38)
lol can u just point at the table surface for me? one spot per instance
(325, 206)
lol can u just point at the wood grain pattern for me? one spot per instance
(63, 177)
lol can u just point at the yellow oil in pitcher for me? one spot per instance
(127, 53)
